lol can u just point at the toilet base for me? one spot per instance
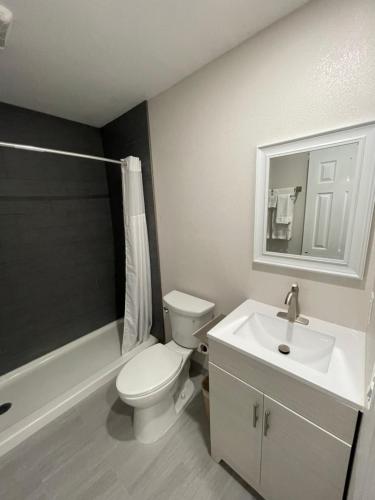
(151, 423)
(183, 396)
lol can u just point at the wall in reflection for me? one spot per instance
(289, 172)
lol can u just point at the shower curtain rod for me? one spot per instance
(56, 151)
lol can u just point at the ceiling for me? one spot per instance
(92, 60)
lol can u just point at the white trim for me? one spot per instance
(359, 225)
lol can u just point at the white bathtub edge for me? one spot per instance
(14, 435)
(36, 363)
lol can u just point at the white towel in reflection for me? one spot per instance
(281, 231)
(272, 199)
(284, 209)
(281, 217)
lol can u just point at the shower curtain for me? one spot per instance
(138, 306)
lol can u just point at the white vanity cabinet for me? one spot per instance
(287, 447)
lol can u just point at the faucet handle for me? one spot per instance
(295, 287)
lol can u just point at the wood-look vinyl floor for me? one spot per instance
(89, 453)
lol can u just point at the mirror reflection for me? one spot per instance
(310, 200)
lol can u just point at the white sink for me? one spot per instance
(324, 355)
(307, 346)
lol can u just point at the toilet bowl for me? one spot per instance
(156, 381)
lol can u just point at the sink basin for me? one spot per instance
(306, 346)
(324, 355)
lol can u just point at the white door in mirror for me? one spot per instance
(328, 199)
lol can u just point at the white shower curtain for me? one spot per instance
(138, 306)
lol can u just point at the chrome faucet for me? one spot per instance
(291, 300)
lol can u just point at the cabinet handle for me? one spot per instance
(267, 414)
(255, 414)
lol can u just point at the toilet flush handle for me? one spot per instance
(165, 309)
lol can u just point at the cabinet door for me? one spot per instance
(299, 459)
(236, 423)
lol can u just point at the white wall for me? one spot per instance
(311, 72)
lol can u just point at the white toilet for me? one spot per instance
(156, 381)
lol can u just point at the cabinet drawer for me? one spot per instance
(321, 409)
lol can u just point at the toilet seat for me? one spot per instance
(148, 371)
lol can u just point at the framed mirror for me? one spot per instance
(314, 202)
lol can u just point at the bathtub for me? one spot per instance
(45, 388)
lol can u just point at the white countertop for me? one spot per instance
(345, 376)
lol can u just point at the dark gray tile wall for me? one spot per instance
(125, 136)
(57, 267)
(62, 252)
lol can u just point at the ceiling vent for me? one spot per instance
(6, 18)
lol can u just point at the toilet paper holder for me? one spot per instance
(202, 348)
(201, 334)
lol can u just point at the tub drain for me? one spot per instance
(284, 349)
(5, 407)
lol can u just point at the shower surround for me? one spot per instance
(62, 252)
(56, 253)
(61, 264)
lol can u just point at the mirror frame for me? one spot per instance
(360, 217)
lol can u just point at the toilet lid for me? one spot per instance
(148, 370)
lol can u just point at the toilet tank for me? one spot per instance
(187, 314)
